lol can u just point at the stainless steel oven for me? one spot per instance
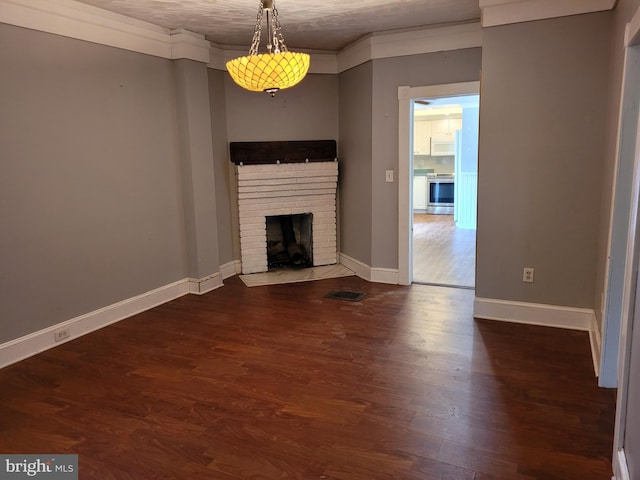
(440, 193)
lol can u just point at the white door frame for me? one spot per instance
(629, 313)
(406, 95)
(629, 300)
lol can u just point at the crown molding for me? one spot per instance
(355, 54)
(503, 12)
(324, 63)
(186, 44)
(77, 20)
(410, 42)
(426, 40)
(85, 22)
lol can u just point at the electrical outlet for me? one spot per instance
(61, 334)
(527, 275)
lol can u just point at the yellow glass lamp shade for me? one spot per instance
(269, 72)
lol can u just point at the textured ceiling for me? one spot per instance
(308, 24)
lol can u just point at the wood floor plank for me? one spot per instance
(443, 254)
(279, 382)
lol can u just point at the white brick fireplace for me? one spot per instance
(286, 189)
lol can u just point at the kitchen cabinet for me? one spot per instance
(419, 192)
(445, 127)
(421, 137)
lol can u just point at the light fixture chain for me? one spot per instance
(278, 38)
(257, 33)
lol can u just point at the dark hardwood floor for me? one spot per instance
(279, 382)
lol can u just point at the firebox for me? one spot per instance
(289, 241)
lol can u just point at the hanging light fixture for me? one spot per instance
(273, 71)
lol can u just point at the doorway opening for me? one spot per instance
(445, 172)
(437, 156)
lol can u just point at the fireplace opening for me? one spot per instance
(289, 241)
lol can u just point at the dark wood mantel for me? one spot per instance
(259, 153)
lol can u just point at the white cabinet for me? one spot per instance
(445, 127)
(443, 136)
(425, 130)
(421, 137)
(445, 145)
(419, 192)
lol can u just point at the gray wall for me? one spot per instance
(542, 129)
(308, 111)
(354, 150)
(90, 197)
(197, 173)
(224, 174)
(388, 75)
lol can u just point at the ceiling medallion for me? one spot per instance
(269, 72)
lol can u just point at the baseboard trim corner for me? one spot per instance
(376, 275)
(544, 315)
(200, 286)
(234, 267)
(360, 269)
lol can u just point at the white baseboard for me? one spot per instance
(377, 275)
(543, 315)
(620, 466)
(206, 284)
(533, 313)
(36, 342)
(234, 267)
(356, 266)
(385, 275)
